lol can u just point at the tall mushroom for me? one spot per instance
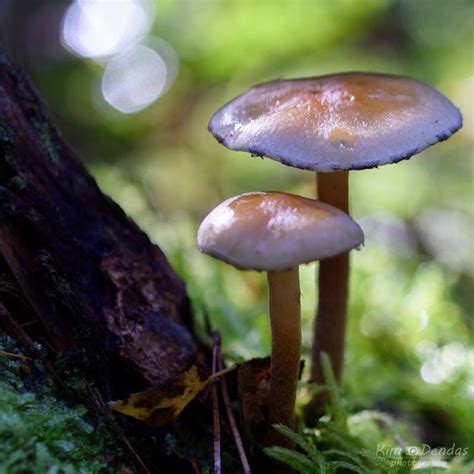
(334, 124)
(276, 232)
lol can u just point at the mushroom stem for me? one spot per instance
(284, 293)
(330, 323)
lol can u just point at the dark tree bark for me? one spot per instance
(100, 290)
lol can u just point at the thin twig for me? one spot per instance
(233, 424)
(102, 408)
(195, 465)
(222, 372)
(15, 331)
(215, 407)
(29, 323)
(14, 356)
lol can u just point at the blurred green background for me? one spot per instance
(410, 345)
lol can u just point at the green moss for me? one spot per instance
(41, 433)
(20, 181)
(6, 134)
(44, 131)
(5, 63)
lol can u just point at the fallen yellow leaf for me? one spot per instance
(161, 405)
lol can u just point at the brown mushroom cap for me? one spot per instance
(276, 231)
(338, 122)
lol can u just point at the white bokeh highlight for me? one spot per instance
(102, 28)
(169, 57)
(134, 79)
(445, 363)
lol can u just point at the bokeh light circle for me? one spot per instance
(101, 28)
(168, 55)
(134, 79)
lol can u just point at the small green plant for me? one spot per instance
(333, 446)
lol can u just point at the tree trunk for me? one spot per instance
(100, 291)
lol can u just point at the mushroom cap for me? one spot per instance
(339, 122)
(276, 231)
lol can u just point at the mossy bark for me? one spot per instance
(99, 290)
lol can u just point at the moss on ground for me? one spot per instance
(42, 433)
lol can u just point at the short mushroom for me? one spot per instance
(276, 232)
(333, 124)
